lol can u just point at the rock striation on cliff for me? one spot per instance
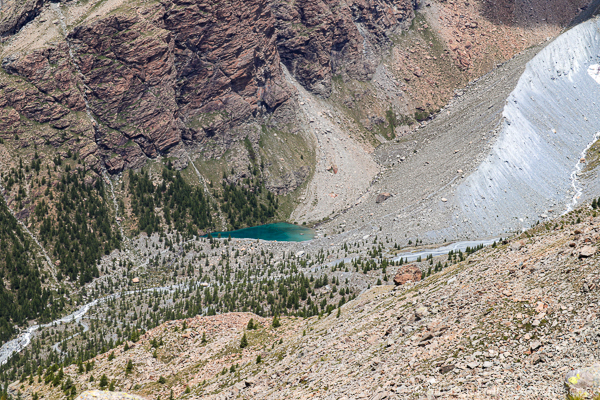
(320, 39)
(154, 77)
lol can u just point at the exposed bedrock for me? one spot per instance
(14, 14)
(186, 72)
(319, 39)
(153, 77)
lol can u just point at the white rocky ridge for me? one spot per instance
(549, 118)
(504, 154)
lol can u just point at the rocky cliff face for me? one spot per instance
(189, 71)
(155, 77)
(197, 72)
(319, 39)
(14, 14)
(41, 92)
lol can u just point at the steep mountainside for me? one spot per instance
(129, 128)
(151, 80)
(502, 324)
(158, 75)
(118, 83)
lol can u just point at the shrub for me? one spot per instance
(276, 323)
(421, 115)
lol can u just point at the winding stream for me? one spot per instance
(414, 255)
(575, 183)
(23, 340)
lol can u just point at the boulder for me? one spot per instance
(583, 381)
(473, 364)
(421, 312)
(407, 273)
(587, 251)
(447, 368)
(381, 197)
(537, 358)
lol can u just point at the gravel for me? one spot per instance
(502, 156)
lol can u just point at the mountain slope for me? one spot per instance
(129, 128)
(503, 324)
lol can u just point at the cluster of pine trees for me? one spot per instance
(184, 208)
(26, 298)
(81, 231)
(248, 206)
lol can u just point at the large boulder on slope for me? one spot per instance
(407, 273)
(587, 251)
(584, 381)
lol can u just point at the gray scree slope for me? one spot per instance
(502, 154)
(549, 119)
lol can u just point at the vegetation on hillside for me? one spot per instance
(22, 297)
(238, 281)
(82, 229)
(184, 208)
(248, 206)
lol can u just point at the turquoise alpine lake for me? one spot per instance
(281, 232)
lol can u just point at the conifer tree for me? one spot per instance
(129, 367)
(103, 381)
(276, 323)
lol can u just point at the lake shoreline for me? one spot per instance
(276, 232)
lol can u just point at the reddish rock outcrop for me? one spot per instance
(51, 73)
(42, 87)
(154, 77)
(407, 273)
(14, 14)
(227, 63)
(192, 70)
(320, 39)
(128, 66)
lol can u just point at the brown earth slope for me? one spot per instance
(502, 324)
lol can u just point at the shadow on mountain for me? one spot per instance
(531, 13)
(589, 12)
